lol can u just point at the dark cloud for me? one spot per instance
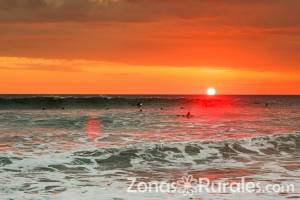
(254, 12)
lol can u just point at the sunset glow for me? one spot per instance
(134, 47)
(144, 99)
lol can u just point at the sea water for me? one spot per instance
(91, 147)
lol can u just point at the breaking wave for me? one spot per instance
(171, 154)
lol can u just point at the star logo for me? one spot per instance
(187, 185)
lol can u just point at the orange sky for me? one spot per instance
(149, 47)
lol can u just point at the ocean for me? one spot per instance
(94, 147)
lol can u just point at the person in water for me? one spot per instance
(188, 115)
(139, 104)
(266, 105)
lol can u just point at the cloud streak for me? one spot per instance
(251, 13)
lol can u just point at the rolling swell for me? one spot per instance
(52, 102)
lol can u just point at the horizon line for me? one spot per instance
(141, 94)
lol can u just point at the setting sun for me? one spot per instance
(211, 91)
